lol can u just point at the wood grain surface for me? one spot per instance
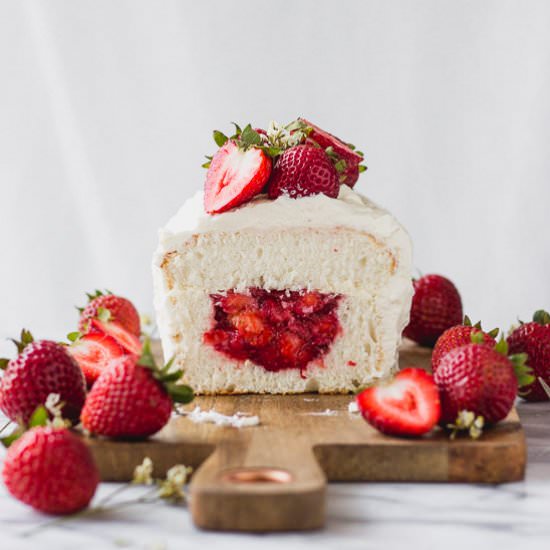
(273, 476)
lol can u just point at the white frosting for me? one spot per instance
(350, 209)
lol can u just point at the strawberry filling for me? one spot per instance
(276, 329)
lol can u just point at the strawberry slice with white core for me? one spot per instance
(234, 177)
(127, 340)
(94, 352)
(407, 405)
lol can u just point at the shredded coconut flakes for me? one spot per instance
(238, 420)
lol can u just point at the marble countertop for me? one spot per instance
(359, 516)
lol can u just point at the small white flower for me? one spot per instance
(172, 487)
(467, 421)
(143, 474)
(54, 406)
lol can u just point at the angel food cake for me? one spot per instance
(279, 277)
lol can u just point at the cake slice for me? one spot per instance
(291, 295)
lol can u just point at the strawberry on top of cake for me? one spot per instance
(279, 277)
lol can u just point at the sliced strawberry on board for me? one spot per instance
(127, 340)
(94, 352)
(408, 405)
(235, 175)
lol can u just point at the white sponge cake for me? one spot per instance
(283, 296)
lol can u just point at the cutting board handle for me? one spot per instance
(263, 484)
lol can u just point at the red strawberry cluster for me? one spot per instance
(474, 381)
(295, 160)
(109, 328)
(473, 378)
(49, 467)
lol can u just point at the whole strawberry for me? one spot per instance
(534, 339)
(303, 170)
(346, 158)
(460, 335)
(436, 306)
(133, 399)
(52, 470)
(121, 311)
(481, 380)
(41, 368)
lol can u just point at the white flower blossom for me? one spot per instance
(143, 474)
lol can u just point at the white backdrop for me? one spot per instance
(106, 111)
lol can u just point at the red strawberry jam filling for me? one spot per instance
(277, 329)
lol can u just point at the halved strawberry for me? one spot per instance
(127, 340)
(349, 173)
(119, 309)
(235, 175)
(94, 352)
(408, 405)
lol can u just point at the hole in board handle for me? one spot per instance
(257, 475)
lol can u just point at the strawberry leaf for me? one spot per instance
(502, 347)
(74, 336)
(170, 377)
(271, 150)
(250, 137)
(4, 363)
(362, 168)
(523, 372)
(39, 417)
(14, 436)
(92, 296)
(26, 339)
(297, 124)
(180, 393)
(340, 166)
(476, 337)
(238, 130)
(220, 138)
(147, 359)
(541, 317)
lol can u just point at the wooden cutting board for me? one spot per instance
(273, 477)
